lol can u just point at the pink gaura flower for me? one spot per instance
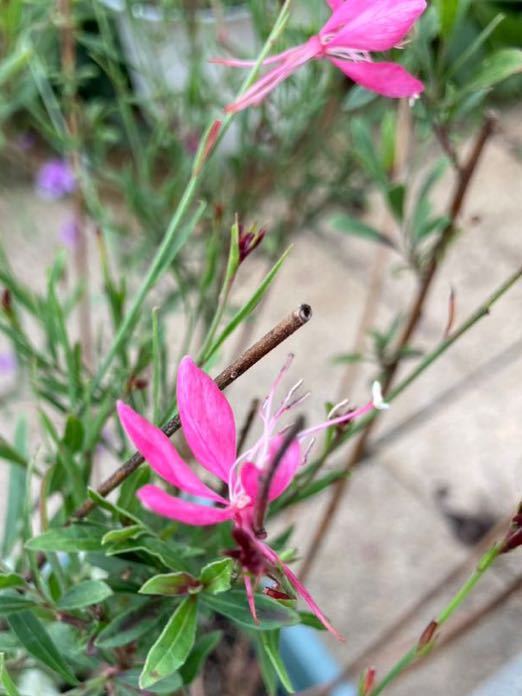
(354, 30)
(208, 425)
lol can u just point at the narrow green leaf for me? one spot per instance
(116, 536)
(14, 62)
(118, 511)
(309, 619)
(16, 492)
(74, 434)
(202, 649)
(248, 307)
(11, 580)
(447, 11)
(8, 641)
(396, 195)
(497, 67)
(474, 46)
(171, 584)
(217, 576)
(270, 643)
(11, 454)
(5, 679)
(348, 358)
(131, 625)
(350, 225)
(11, 603)
(366, 151)
(170, 556)
(84, 595)
(171, 649)
(156, 367)
(77, 537)
(38, 643)
(234, 606)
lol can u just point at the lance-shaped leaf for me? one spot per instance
(202, 649)
(131, 624)
(85, 594)
(11, 454)
(116, 536)
(350, 225)
(497, 67)
(77, 537)
(217, 576)
(269, 641)
(11, 603)
(234, 606)
(35, 639)
(5, 679)
(171, 649)
(11, 580)
(171, 584)
(249, 306)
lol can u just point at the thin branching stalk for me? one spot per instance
(414, 317)
(159, 263)
(71, 109)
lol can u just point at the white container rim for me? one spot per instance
(155, 14)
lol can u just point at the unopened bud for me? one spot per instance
(513, 538)
(427, 635)
(206, 146)
(276, 594)
(367, 681)
(249, 239)
(137, 383)
(7, 303)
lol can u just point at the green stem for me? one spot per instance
(158, 264)
(419, 651)
(482, 311)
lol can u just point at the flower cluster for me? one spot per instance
(209, 429)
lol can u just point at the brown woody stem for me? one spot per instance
(266, 478)
(279, 333)
(464, 178)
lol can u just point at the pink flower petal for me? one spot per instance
(161, 454)
(300, 589)
(238, 63)
(372, 25)
(287, 466)
(283, 476)
(207, 419)
(294, 59)
(388, 79)
(303, 592)
(166, 505)
(250, 597)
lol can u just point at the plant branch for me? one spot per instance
(267, 477)
(173, 240)
(464, 178)
(423, 647)
(279, 333)
(368, 655)
(68, 61)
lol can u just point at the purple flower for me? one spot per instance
(7, 364)
(55, 179)
(69, 232)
